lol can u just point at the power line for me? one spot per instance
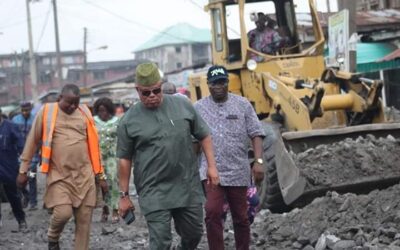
(196, 4)
(136, 22)
(69, 17)
(119, 16)
(19, 22)
(199, 6)
(44, 27)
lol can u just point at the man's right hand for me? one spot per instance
(22, 180)
(125, 204)
(212, 176)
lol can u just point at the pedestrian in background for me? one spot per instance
(71, 159)
(232, 121)
(24, 122)
(157, 134)
(107, 124)
(169, 88)
(11, 145)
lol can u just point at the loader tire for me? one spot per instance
(270, 193)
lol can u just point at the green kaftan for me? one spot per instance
(166, 173)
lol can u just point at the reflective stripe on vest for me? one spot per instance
(50, 111)
(49, 120)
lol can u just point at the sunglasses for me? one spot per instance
(147, 93)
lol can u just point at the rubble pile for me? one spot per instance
(334, 221)
(349, 161)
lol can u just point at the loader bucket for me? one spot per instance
(353, 159)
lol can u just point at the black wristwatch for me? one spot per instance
(123, 194)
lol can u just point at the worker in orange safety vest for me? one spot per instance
(72, 162)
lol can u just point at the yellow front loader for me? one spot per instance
(301, 102)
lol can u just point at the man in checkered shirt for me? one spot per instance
(233, 122)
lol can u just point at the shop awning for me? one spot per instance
(371, 57)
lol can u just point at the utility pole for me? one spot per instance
(58, 54)
(84, 57)
(32, 59)
(23, 61)
(18, 76)
(328, 6)
(351, 7)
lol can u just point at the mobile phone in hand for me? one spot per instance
(129, 217)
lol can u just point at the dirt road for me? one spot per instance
(334, 221)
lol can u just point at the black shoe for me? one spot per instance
(22, 226)
(33, 207)
(54, 245)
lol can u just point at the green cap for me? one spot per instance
(147, 74)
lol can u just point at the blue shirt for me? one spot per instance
(11, 145)
(24, 126)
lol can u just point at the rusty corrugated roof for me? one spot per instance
(365, 19)
(394, 55)
(380, 17)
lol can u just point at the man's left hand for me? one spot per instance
(258, 172)
(104, 186)
(22, 180)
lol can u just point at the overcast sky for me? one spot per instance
(122, 25)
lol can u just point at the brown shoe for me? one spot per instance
(104, 214)
(54, 245)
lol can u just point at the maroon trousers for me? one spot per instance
(236, 197)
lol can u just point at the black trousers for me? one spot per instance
(12, 194)
(31, 194)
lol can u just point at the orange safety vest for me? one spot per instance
(49, 120)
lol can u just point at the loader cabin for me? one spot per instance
(301, 56)
(234, 20)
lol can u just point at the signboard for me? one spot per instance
(338, 40)
(180, 79)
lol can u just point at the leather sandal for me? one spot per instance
(115, 216)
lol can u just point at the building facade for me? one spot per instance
(178, 47)
(15, 78)
(364, 5)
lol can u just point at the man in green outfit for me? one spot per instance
(157, 134)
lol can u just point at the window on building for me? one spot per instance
(6, 63)
(46, 61)
(68, 60)
(200, 50)
(98, 75)
(178, 49)
(178, 65)
(45, 77)
(14, 78)
(73, 76)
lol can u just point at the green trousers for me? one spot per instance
(188, 224)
